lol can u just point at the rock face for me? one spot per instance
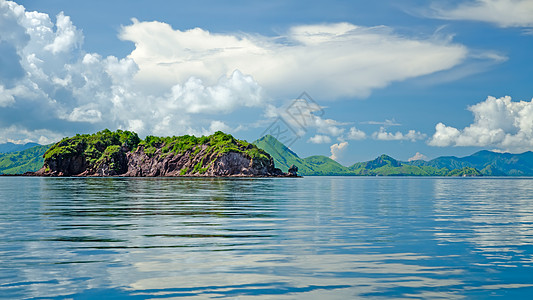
(293, 170)
(111, 154)
(203, 163)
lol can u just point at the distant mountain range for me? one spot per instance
(487, 162)
(480, 163)
(28, 160)
(11, 147)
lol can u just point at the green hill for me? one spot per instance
(387, 166)
(284, 158)
(322, 165)
(29, 160)
(487, 162)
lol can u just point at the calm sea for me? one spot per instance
(284, 238)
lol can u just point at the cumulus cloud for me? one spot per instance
(418, 156)
(19, 135)
(504, 13)
(337, 150)
(411, 135)
(85, 114)
(353, 59)
(328, 126)
(49, 84)
(66, 37)
(229, 93)
(319, 139)
(498, 122)
(176, 81)
(219, 126)
(355, 134)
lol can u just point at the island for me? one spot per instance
(90, 155)
(123, 153)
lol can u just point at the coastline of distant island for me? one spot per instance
(482, 163)
(122, 153)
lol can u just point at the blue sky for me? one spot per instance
(396, 77)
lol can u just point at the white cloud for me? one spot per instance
(411, 135)
(61, 86)
(328, 126)
(85, 114)
(383, 123)
(354, 60)
(6, 98)
(355, 134)
(498, 122)
(504, 13)
(319, 139)
(66, 36)
(337, 150)
(175, 82)
(303, 115)
(219, 126)
(418, 156)
(19, 135)
(229, 93)
(444, 136)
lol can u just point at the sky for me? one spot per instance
(347, 79)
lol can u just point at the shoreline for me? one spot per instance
(178, 176)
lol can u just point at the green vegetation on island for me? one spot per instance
(104, 145)
(95, 149)
(219, 143)
(108, 153)
(108, 148)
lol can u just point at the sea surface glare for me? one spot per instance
(266, 238)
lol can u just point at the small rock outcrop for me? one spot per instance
(293, 170)
(122, 153)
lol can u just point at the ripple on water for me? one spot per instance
(309, 238)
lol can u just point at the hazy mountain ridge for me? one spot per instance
(11, 147)
(20, 162)
(484, 162)
(487, 162)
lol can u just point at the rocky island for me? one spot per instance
(123, 153)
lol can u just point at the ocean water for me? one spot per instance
(268, 238)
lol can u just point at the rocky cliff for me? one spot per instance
(122, 153)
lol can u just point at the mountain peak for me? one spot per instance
(381, 161)
(269, 142)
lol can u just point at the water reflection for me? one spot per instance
(312, 238)
(492, 215)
